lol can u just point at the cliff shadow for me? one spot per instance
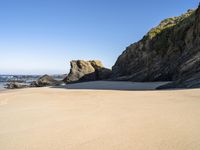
(113, 85)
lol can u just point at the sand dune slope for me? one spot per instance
(60, 119)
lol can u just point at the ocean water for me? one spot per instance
(25, 79)
(2, 85)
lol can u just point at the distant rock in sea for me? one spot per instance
(87, 71)
(168, 52)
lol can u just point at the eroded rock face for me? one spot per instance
(169, 52)
(87, 71)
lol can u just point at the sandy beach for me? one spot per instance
(75, 119)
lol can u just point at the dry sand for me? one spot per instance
(60, 119)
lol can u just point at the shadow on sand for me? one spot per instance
(113, 85)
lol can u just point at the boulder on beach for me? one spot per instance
(45, 80)
(87, 71)
(15, 85)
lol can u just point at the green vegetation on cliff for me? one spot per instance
(167, 23)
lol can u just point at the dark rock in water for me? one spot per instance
(87, 71)
(45, 80)
(15, 85)
(169, 52)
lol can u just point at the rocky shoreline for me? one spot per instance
(80, 71)
(42, 81)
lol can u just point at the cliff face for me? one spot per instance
(170, 51)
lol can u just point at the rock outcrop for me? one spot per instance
(87, 71)
(169, 52)
(15, 85)
(187, 82)
(45, 80)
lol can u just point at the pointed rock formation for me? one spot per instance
(87, 71)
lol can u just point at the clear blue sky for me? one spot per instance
(42, 36)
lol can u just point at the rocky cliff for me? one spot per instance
(168, 52)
